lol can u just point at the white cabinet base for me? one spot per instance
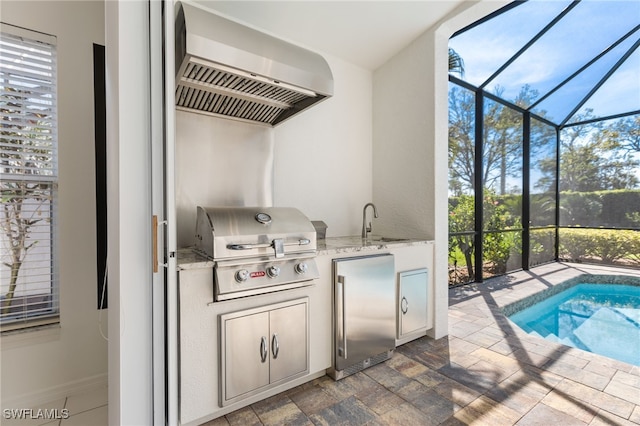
(199, 343)
(415, 285)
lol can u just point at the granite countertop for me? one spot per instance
(355, 243)
(188, 259)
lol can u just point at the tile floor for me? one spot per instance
(86, 409)
(486, 372)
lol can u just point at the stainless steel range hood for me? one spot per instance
(226, 69)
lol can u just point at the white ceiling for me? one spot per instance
(365, 33)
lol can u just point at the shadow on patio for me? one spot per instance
(528, 380)
(485, 372)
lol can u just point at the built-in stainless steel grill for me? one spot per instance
(256, 249)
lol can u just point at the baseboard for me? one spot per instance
(43, 396)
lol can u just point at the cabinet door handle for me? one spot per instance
(404, 305)
(275, 345)
(263, 349)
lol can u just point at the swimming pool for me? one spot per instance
(602, 318)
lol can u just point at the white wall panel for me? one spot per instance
(41, 365)
(129, 210)
(323, 156)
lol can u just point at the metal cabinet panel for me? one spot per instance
(412, 303)
(263, 347)
(246, 354)
(288, 342)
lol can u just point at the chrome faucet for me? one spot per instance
(366, 229)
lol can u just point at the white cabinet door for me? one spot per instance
(412, 303)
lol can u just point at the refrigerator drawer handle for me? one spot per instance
(263, 349)
(343, 350)
(275, 345)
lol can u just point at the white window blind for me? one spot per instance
(28, 178)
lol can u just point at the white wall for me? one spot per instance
(322, 156)
(403, 115)
(410, 155)
(43, 365)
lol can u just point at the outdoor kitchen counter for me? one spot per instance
(355, 244)
(189, 259)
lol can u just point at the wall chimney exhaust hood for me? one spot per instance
(226, 69)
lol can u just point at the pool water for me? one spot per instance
(599, 318)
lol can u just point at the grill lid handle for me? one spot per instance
(247, 246)
(278, 245)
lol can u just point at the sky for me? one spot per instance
(586, 30)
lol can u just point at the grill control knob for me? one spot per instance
(242, 275)
(273, 271)
(301, 268)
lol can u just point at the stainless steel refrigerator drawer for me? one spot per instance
(365, 314)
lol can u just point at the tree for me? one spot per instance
(626, 133)
(456, 64)
(25, 202)
(21, 212)
(462, 219)
(496, 245)
(597, 156)
(461, 140)
(502, 140)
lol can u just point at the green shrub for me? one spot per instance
(496, 250)
(619, 208)
(600, 208)
(615, 209)
(575, 243)
(634, 249)
(462, 219)
(542, 246)
(580, 208)
(605, 245)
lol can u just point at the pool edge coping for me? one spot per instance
(586, 278)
